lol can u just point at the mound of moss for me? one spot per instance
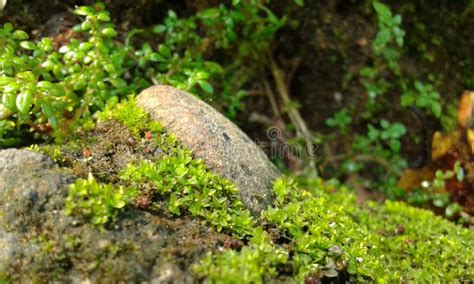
(317, 231)
(314, 231)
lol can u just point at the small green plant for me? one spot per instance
(190, 187)
(46, 89)
(422, 96)
(382, 78)
(132, 116)
(341, 120)
(389, 38)
(383, 142)
(214, 53)
(433, 192)
(97, 202)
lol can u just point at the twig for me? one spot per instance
(271, 98)
(295, 116)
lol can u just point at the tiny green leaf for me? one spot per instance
(159, 29)
(210, 13)
(109, 32)
(102, 16)
(20, 35)
(85, 26)
(206, 86)
(23, 101)
(83, 11)
(28, 45)
(164, 50)
(5, 112)
(436, 109)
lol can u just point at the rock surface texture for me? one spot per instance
(210, 136)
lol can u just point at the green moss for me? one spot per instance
(189, 186)
(327, 235)
(316, 236)
(257, 262)
(132, 116)
(53, 151)
(97, 202)
(416, 244)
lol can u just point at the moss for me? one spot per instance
(419, 245)
(316, 237)
(326, 235)
(132, 116)
(53, 151)
(97, 202)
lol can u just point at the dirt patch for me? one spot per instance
(106, 151)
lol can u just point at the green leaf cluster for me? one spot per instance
(422, 96)
(41, 85)
(96, 202)
(214, 53)
(49, 89)
(324, 239)
(390, 34)
(341, 120)
(189, 186)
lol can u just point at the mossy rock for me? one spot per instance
(40, 243)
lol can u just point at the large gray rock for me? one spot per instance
(224, 148)
(30, 185)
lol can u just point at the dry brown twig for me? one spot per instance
(302, 129)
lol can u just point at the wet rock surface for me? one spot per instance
(225, 149)
(39, 243)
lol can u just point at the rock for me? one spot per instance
(30, 184)
(40, 244)
(210, 136)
